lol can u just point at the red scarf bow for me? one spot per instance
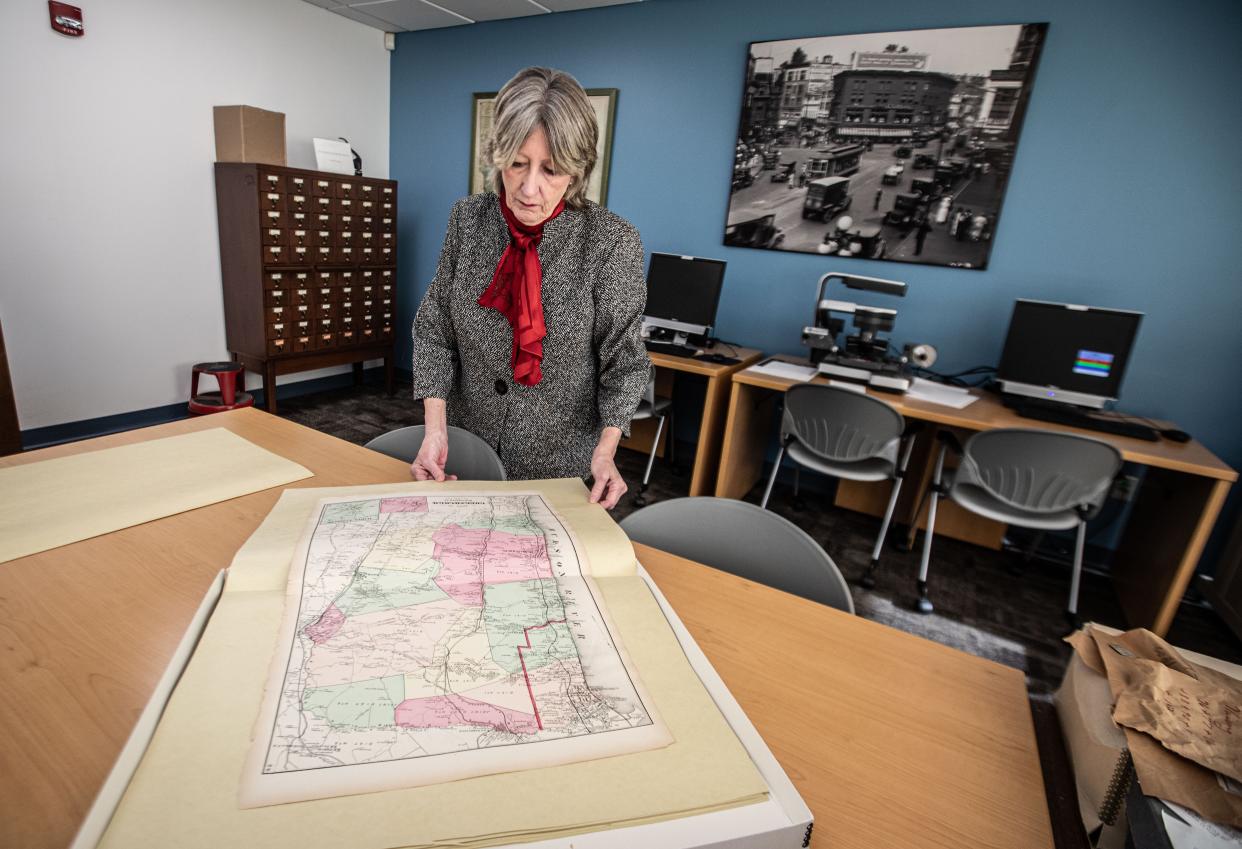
(515, 293)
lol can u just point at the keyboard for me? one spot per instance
(671, 349)
(1077, 418)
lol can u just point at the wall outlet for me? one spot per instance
(1124, 488)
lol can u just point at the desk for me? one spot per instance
(711, 427)
(87, 629)
(892, 740)
(1177, 505)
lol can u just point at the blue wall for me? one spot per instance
(1126, 190)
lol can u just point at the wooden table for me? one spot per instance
(1177, 505)
(711, 426)
(892, 740)
(87, 629)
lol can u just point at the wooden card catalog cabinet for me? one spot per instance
(309, 264)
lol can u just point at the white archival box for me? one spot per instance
(783, 821)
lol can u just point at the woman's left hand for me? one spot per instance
(608, 487)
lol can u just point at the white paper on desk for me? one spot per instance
(845, 384)
(334, 156)
(957, 397)
(1194, 832)
(789, 371)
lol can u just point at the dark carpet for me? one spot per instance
(988, 603)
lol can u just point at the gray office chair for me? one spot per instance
(1033, 478)
(847, 435)
(745, 540)
(469, 457)
(652, 406)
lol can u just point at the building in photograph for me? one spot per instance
(883, 103)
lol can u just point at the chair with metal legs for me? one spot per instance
(847, 435)
(653, 406)
(1033, 478)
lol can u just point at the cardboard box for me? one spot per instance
(1097, 748)
(249, 134)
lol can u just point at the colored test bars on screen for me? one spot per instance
(1093, 363)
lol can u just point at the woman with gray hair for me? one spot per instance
(530, 333)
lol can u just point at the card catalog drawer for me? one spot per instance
(272, 201)
(348, 189)
(275, 236)
(322, 187)
(276, 297)
(271, 181)
(276, 347)
(298, 184)
(299, 203)
(274, 218)
(277, 330)
(276, 255)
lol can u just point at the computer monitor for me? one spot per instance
(682, 295)
(1066, 353)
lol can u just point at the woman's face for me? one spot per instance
(533, 183)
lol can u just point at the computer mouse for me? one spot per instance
(1175, 435)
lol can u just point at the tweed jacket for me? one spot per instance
(595, 367)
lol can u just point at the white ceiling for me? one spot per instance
(407, 15)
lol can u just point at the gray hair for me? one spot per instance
(553, 100)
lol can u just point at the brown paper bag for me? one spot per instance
(1182, 721)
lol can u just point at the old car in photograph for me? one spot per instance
(892, 174)
(785, 173)
(907, 211)
(826, 197)
(923, 186)
(760, 232)
(923, 161)
(902, 151)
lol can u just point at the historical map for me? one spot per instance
(436, 637)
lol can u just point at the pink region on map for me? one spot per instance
(404, 504)
(325, 627)
(453, 711)
(460, 552)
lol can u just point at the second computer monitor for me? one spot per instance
(1067, 353)
(683, 292)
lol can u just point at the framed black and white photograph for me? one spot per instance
(604, 101)
(892, 145)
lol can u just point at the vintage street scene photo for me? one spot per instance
(894, 145)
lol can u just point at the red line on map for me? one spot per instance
(522, 660)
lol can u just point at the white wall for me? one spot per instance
(109, 258)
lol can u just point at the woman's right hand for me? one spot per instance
(432, 455)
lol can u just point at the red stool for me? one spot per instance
(228, 398)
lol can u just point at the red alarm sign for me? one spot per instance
(66, 19)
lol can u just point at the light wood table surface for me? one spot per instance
(892, 740)
(1182, 493)
(87, 629)
(715, 406)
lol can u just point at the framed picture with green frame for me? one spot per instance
(604, 100)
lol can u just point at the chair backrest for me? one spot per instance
(745, 540)
(469, 457)
(841, 425)
(1039, 470)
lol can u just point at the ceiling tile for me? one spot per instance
(364, 18)
(574, 5)
(492, 10)
(409, 14)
